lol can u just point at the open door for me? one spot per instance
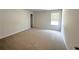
(31, 20)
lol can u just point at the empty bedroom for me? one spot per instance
(38, 29)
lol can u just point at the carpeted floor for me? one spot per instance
(33, 39)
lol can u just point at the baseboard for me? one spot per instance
(64, 40)
(13, 33)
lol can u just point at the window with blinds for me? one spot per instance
(55, 18)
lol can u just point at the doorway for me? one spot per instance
(31, 20)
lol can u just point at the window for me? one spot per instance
(55, 18)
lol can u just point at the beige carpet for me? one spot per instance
(34, 39)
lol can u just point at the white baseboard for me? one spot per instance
(12, 33)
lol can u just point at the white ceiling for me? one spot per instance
(38, 9)
(34, 10)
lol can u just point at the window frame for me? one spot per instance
(60, 20)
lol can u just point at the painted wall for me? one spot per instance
(42, 19)
(13, 21)
(71, 27)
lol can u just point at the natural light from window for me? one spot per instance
(55, 18)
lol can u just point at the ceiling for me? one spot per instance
(38, 9)
(34, 10)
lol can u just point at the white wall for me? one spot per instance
(71, 27)
(13, 21)
(42, 19)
